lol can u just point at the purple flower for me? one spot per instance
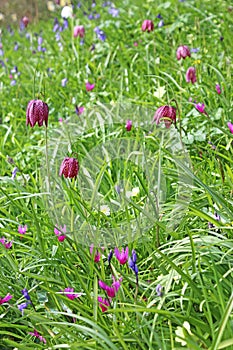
(200, 107)
(110, 255)
(166, 113)
(7, 244)
(22, 229)
(104, 303)
(25, 294)
(89, 86)
(183, 52)
(132, 263)
(60, 234)
(6, 298)
(14, 172)
(159, 290)
(161, 24)
(147, 25)
(113, 11)
(69, 293)
(64, 82)
(13, 82)
(230, 126)
(218, 88)
(37, 335)
(97, 253)
(69, 168)
(111, 291)
(79, 110)
(195, 50)
(16, 47)
(23, 306)
(191, 75)
(128, 125)
(65, 23)
(100, 34)
(37, 112)
(40, 40)
(122, 256)
(159, 16)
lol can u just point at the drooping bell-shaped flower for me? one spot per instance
(166, 113)
(191, 75)
(183, 51)
(69, 167)
(37, 112)
(147, 25)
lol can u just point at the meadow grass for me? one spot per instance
(179, 220)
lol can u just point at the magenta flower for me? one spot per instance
(69, 167)
(200, 107)
(60, 234)
(79, 31)
(191, 75)
(183, 52)
(89, 86)
(104, 303)
(230, 126)
(69, 293)
(166, 113)
(218, 88)
(147, 25)
(7, 244)
(97, 253)
(37, 112)
(122, 256)
(79, 110)
(128, 125)
(25, 21)
(111, 291)
(6, 298)
(37, 335)
(22, 229)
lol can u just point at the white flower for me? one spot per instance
(105, 210)
(67, 12)
(135, 191)
(180, 333)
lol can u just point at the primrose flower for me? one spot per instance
(122, 256)
(111, 291)
(183, 52)
(200, 107)
(230, 126)
(104, 303)
(128, 125)
(166, 113)
(147, 25)
(69, 293)
(6, 298)
(79, 31)
(37, 112)
(38, 336)
(69, 168)
(60, 234)
(191, 75)
(218, 88)
(22, 229)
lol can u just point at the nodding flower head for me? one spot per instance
(79, 31)
(69, 167)
(37, 112)
(166, 113)
(147, 25)
(183, 52)
(191, 75)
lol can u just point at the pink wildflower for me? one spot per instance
(183, 51)
(191, 75)
(166, 113)
(111, 291)
(69, 292)
(6, 298)
(97, 253)
(122, 256)
(37, 335)
(37, 112)
(7, 244)
(69, 167)
(230, 126)
(147, 25)
(218, 88)
(104, 303)
(128, 125)
(22, 229)
(89, 86)
(60, 234)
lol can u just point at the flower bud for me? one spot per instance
(79, 31)
(147, 25)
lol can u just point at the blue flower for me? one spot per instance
(132, 262)
(25, 294)
(159, 289)
(23, 306)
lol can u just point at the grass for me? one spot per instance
(168, 190)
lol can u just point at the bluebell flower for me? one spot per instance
(159, 16)
(65, 23)
(159, 290)
(195, 50)
(40, 40)
(64, 82)
(25, 294)
(110, 255)
(23, 306)
(14, 172)
(100, 34)
(113, 11)
(13, 82)
(161, 23)
(16, 46)
(132, 263)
